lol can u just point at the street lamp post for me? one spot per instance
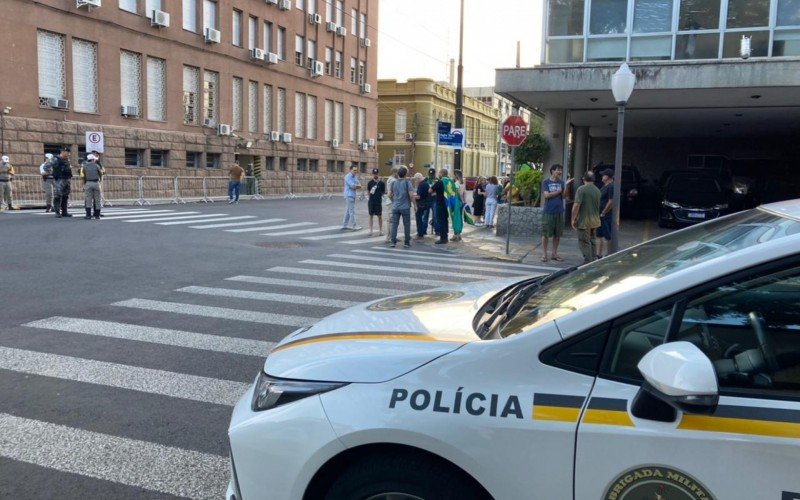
(622, 83)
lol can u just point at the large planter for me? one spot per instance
(525, 221)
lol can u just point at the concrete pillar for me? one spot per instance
(554, 124)
(581, 151)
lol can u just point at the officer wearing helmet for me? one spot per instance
(48, 183)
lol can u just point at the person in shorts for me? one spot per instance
(553, 213)
(376, 189)
(606, 207)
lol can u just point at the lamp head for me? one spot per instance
(622, 83)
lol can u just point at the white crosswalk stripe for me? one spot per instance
(162, 336)
(154, 467)
(179, 216)
(273, 297)
(317, 285)
(376, 239)
(235, 224)
(401, 270)
(154, 214)
(412, 261)
(340, 235)
(217, 312)
(395, 252)
(270, 228)
(382, 277)
(184, 222)
(305, 231)
(176, 385)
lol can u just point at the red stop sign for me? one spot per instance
(514, 131)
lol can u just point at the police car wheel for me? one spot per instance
(404, 476)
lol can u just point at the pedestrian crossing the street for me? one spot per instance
(188, 354)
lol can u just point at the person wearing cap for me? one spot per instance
(424, 204)
(553, 211)
(586, 216)
(376, 189)
(6, 178)
(62, 174)
(91, 172)
(48, 184)
(606, 207)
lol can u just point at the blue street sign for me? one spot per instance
(454, 139)
(444, 127)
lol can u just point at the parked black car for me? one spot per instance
(633, 192)
(691, 196)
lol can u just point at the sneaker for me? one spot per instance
(393, 245)
(236, 202)
(230, 201)
(356, 228)
(440, 242)
(419, 237)
(406, 245)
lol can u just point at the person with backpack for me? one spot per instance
(401, 194)
(48, 184)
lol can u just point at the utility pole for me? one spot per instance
(460, 89)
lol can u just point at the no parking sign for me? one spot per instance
(94, 142)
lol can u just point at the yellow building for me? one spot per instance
(407, 117)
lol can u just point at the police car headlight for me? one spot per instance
(272, 392)
(721, 206)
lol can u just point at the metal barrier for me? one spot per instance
(26, 189)
(251, 188)
(157, 188)
(289, 192)
(325, 189)
(215, 188)
(190, 189)
(122, 190)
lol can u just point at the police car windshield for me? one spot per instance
(642, 264)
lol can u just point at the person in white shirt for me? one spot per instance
(48, 183)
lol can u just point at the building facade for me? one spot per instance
(699, 98)
(182, 87)
(488, 96)
(408, 114)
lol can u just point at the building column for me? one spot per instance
(554, 123)
(581, 151)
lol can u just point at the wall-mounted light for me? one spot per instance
(745, 47)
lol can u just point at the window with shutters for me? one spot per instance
(211, 96)
(353, 123)
(299, 43)
(328, 120)
(209, 14)
(84, 76)
(150, 6)
(311, 53)
(362, 125)
(328, 60)
(352, 70)
(337, 67)
(281, 110)
(267, 42)
(339, 12)
(237, 28)
(52, 68)
(400, 121)
(311, 117)
(267, 109)
(128, 5)
(362, 25)
(156, 89)
(338, 111)
(130, 70)
(190, 15)
(353, 21)
(328, 11)
(282, 43)
(252, 108)
(237, 92)
(252, 32)
(362, 72)
(191, 95)
(299, 114)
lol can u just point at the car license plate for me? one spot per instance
(697, 215)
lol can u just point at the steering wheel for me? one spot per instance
(767, 349)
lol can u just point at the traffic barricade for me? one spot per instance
(289, 192)
(27, 191)
(215, 188)
(190, 189)
(156, 189)
(326, 192)
(76, 197)
(251, 188)
(121, 190)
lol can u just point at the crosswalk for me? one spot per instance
(211, 340)
(247, 225)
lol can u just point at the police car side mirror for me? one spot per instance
(680, 375)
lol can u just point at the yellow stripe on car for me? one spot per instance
(740, 426)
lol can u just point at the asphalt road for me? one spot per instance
(125, 342)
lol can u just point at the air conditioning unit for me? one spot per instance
(363, 146)
(273, 2)
(209, 122)
(285, 5)
(257, 54)
(274, 136)
(56, 103)
(129, 111)
(380, 136)
(409, 137)
(223, 129)
(335, 143)
(87, 3)
(365, 42)
(314, 19)
(159, 18)
(331, 27)
(317, 69)
(213, 36)
(287, 137)
(366, 88)
(371, 143)
(341, 31)
(272, 58)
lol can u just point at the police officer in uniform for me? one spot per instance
(48, 184)
(6, 177)
(92, 173)
(62, 174)
(100, 163)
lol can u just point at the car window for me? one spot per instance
(750, 330)
(634, 339)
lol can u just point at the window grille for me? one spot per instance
(362, 124)
(299, 114)
(353, 123)
(84, 76)
(252, 108)
(311, 117)
(281, 110)
(52, 72)
(211, 96)
(267, 109)
(191, 90)
(130, 70)
(337, 117)
(237, 103)
(156, 89)
(328, 120)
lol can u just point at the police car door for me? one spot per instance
(748, 446)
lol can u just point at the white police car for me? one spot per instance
(670, 370)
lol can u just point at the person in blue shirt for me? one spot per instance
(351, 185)
(553, 213)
